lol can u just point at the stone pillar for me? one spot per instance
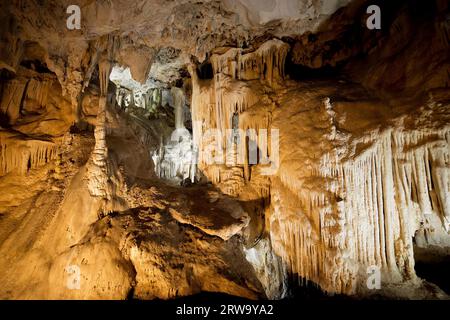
(10, 104)
(178, 101)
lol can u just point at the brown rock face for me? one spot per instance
(253, 148)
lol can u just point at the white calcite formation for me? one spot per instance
(177, 159)
(11, 99)
(98, 169)
(314, 174)
(373, 204)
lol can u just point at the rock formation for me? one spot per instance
(250, 148)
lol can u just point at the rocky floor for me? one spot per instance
(161, 241)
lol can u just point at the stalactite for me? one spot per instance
(21, 155)
(37, 91)
(373, 204)
(368, 211)
(177, 160)
(215, 102)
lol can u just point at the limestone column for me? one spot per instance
(178, 101)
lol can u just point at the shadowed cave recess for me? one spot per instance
(276, 149)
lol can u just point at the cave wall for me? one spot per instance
(351, 170)
(356, 180)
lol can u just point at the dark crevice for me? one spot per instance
(4, 120)
(300, 72)
(205, 71)
(433, 268)
(303, 289)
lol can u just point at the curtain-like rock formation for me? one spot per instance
(166, 150)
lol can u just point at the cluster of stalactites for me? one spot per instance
(97, 172)
(177, 160)
(231, 99)
(299, 229)
(150, 100)
(230, 92)
(22, 155)
(221, 127)
(265, 64)
(415, 169)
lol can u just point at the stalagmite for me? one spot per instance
(21, 155)
(160, 149)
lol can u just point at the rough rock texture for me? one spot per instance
(357, 178)
(145, 246)
(237, 146)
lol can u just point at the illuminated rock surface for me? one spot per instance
(244, 147)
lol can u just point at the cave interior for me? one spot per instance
(258, 149)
